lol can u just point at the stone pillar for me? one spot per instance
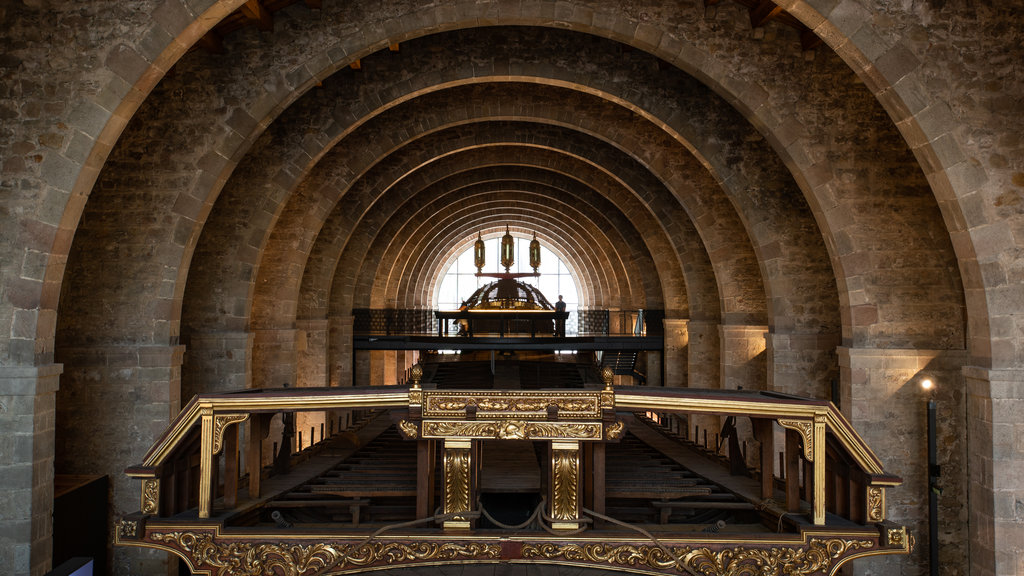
(273, 358)
(882, 397)
(311, 363)
(27, 416)
(653, 368)
(217, 362)
(389, 367)
(743, 357)
(113, 404)
(703, 355)
(362, 368)
(339, 350)
(802, 364)
(677, 342)
(995, 432)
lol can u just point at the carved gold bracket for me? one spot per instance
(813, 434)
(806, 430)
(151, 496)
(220, 424)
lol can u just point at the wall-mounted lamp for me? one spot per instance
(933, 482)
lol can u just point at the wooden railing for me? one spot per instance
(816, 434)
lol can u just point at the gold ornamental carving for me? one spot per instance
(615, 430)
(150, 496)
(816, 558)
(322, 559)
(220, 423)
(876, 504)
(511, 430)
(128, 529)
(409, 429)
(565, 484)
(456, 481)
(806, 430)
(897, 537)
(511, 404)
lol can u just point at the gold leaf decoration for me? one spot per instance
(150, 496)
(565, 484)
(408, 429)
(220, 423)
(876, 500)
(283, 559)
(815, 558)
(512, 404)
(806, 430)
(511, 430)
(456, 480)
(614, 430)
(128, 529)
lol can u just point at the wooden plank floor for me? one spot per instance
(509, 466)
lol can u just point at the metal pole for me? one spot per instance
(933, 495)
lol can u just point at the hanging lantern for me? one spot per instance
(534, 253)
(507, 250)
(479, 256)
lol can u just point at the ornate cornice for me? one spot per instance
(518, 405)
(511, 430)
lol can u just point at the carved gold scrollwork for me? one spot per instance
(220, 423)
(409, 429)
(806, 430)
(614, 430)
(456, 480)
(151, 496)
(511, 430)
(511, 404)
(816, 558)
(257, 558)
(876, 504)
(565, 484)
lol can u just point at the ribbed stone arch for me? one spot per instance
(584, 246)
(732, 285)
(592, 256)
(627, 36)
(451, 239)
(414, 154)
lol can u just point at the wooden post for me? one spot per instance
(819, 470)
(206, 464)
(231, 466)
(792, 471)
(763, 433)
(425, 466)
(254, 456)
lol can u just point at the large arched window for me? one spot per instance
(459, 281)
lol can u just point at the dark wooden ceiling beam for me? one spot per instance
(212, 43)
(763, 13)
(809, 40)
(256, 12)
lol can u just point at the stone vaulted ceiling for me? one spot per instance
(245, 186)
